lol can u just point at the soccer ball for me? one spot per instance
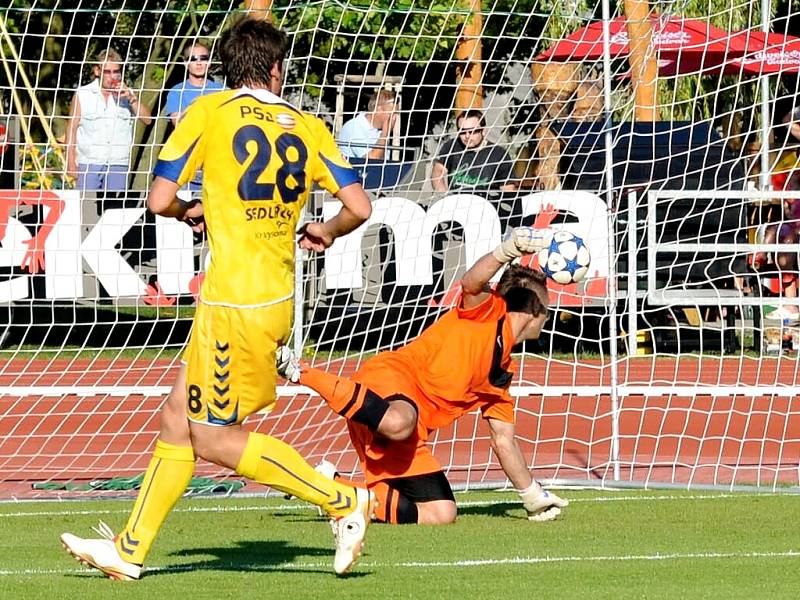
(565, 258)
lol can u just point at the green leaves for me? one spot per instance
(383, 29)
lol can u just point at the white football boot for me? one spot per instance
(101, 554)
(349, 531)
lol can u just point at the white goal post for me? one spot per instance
(661, 369)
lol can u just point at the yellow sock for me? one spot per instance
(164, 482)
(274, 463)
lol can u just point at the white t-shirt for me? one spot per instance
(357, 137)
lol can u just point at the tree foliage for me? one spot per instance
(413, 39)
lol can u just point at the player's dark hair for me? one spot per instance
(524, 290)
(472, 113)
(248, 51)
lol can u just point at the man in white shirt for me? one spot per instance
(367, 134)
(100, 132)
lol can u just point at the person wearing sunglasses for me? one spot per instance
(470, 161)
(100, 131)
(197, 57)
(196, 84)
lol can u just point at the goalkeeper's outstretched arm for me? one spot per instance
(504, 444)
(540, 504)
(475, 283)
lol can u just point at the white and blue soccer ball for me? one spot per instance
(565, 258)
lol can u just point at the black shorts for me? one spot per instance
(423, 488)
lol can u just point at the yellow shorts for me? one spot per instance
(230, 361)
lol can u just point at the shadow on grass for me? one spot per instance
(511, 510)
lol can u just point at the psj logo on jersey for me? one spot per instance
(256, 112)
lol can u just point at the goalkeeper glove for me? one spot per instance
(523, 240)
(540, 504)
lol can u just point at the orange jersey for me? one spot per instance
(459, 364)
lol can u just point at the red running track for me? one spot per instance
(675, 438)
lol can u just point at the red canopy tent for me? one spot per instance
(675, 37)
(767, 54)
(687, 46)
(780, 54)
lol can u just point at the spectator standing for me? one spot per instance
(469, 160)
(196, 84)
(100, 131)
(367, 134)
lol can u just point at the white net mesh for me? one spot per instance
(660, 368)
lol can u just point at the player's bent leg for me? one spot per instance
(437, 512)
(426, 499)
(164, 482)
(358, 403)
(400, 419)
(271, 462)
(393, 417)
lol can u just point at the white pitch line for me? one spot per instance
(529, 560)
(488, 562)
(302, 506)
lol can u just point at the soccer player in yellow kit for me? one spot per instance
(260, 157)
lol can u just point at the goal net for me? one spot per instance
(665, 141)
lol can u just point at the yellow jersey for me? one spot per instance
(260, 157)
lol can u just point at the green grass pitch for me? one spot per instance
(623, 544)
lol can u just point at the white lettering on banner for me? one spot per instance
(65, 250)
(60, 228)
(479, 220)
(175, 255)
(12, 254)
(63, 264)
(413, 230)
(116, 275)
(175, 252)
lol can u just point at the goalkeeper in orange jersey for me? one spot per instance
(459, 364)
(260, 157)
